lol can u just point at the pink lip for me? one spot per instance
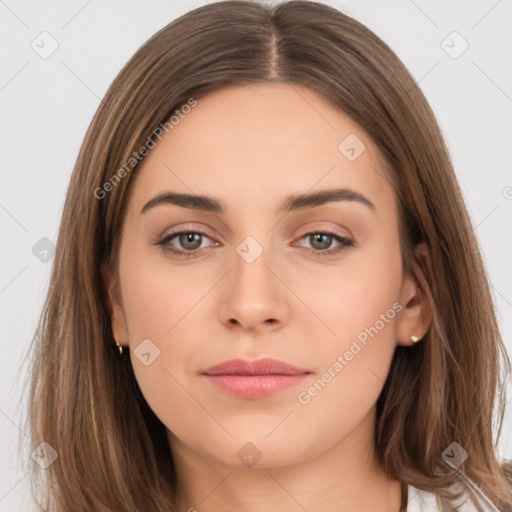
(254, 379)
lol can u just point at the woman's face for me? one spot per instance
(259, 279)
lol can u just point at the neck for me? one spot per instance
(346, 477)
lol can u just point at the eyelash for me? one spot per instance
(344, 243)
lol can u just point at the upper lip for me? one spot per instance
(265, 366)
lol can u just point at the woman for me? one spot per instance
(267, 294)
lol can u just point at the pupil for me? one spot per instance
(319, 236)
(189, 238)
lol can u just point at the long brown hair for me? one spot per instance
(85, 403)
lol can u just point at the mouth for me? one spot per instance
(254, 379)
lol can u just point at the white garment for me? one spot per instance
(425, 501)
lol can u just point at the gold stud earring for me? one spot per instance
(120, 347)
(414, 339)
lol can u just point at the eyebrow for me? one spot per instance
(294, 202)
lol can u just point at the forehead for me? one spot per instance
(251, 145)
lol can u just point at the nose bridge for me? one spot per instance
(251, 262)
(254, 294)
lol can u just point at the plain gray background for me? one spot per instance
(47, 104)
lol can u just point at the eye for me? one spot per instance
(321, 242)
(190, 241)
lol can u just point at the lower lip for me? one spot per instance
(254, 386)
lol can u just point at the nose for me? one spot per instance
(254, 297)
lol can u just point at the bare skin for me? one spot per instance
(250, 148)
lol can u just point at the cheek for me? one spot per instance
(157, 298)
(160, 310)
(353, 364)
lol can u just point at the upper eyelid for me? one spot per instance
(186, 230)
(190, 228)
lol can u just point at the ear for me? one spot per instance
(116, 312)
(416, 315)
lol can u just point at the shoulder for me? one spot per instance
(420, 500)
(425, 501)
